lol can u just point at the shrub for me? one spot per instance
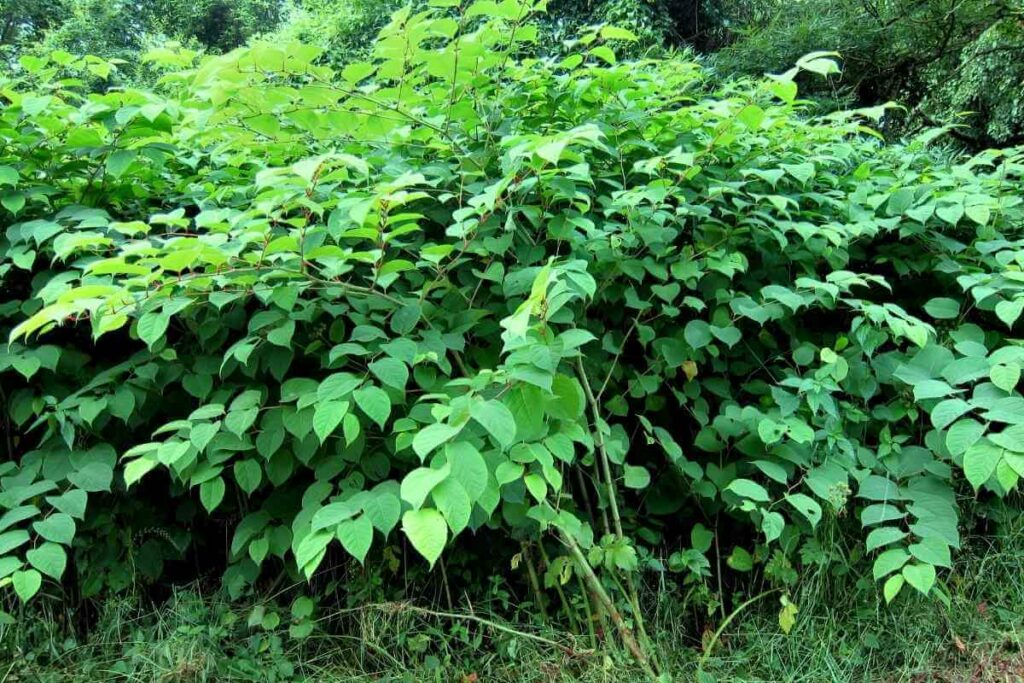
(605, 313)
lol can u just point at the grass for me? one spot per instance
(842, 633)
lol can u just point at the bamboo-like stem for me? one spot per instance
(602, 453)
(587, 598)
(613, 503)
(531, 571)
(625, 632)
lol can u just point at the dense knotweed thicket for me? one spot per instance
(586, 316)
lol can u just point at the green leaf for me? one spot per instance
(432, 436)
(933, 551)
(751, 116)
(8, 176)
(1005, 377)
(942, 308)
(892, 587)
(980, 462)
(12, 539)
(258, 549)
(383, 509)
(772, 524)
(282, 335)
(604, 53)
(332, 515)
(567, 402)
(26, 583)
(375, 402)
(453, 503)
(337, 386)
(1010, 311)
(418, 484)
(697, 334)
(740, 560)
(119, 160)
(920, 576)
(49, 558)
(496, 418)
(248, 474)
(806, 506)
(931, 388)
(302, 607)
(95, 476)
(15, 515)
(356, 536)
(883, 536)
(201, 434)
(152, 327)
(59, 528)
(137, 469)
(617, 33)
(391, 371)
(888, 562)
(427, 531)
(963, 434)
(636, 477)
(326, 418)
(946, 412)
(745, 488)
(468, 468)
(701, 538)
(211, 493)
(536, 485)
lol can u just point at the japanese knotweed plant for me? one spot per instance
(602, 309)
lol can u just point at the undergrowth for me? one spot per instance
(840, 635)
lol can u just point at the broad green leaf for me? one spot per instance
(884, 536)
(58, 527)
(740, 560)
(453, 503)
(920, 576)
(496, 418)
(391, 371)
(211, 493)
(963, 434)
(326, 418)
(418, 484)
(26, 583)
(427, 531)
(95, 476)
(980, 462)
(432, 436)
(383, 509)
(946, 412)
(806, 506)
(637, 477)
(942, 308)
(375, 402)
(745, 488)
(697, 334)
(152, 327)
(248, 475)
(468, 468)
(892, 587)
(49, 558)
(332, 515)
(356, 536)
(889, 562)
(1005, 377)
